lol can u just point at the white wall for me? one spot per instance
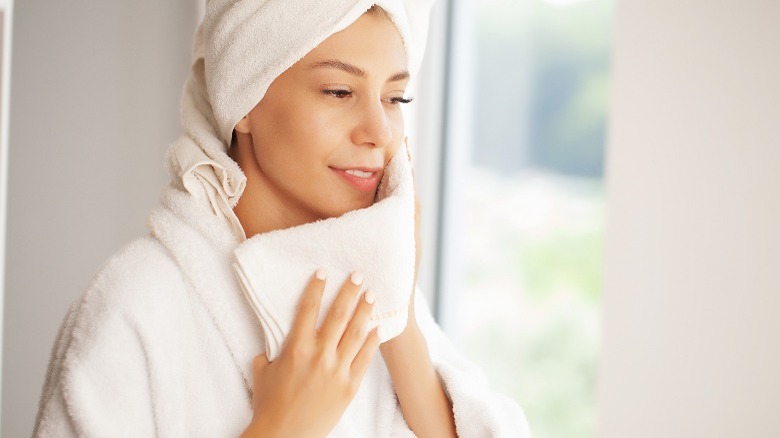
(6, 12)
(692, 331)
(94, 104)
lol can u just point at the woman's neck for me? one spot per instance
(262, 209)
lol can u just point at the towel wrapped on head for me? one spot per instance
(249, 43)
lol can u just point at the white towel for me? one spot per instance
(378, 241)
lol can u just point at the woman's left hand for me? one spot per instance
(424, 403)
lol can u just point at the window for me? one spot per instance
(520, 258)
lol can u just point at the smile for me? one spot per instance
(361, 179)
(359, 173)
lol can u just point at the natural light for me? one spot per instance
(532, 222)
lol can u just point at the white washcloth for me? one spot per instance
(378, 241)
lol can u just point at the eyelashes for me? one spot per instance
(342, 94)
(402, 100)
(338, 93)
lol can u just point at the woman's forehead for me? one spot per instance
(369, 46)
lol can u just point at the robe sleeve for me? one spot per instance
(479, 411)
(97, 383)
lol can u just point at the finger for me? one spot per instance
(356, 329)
(364, 356)
(341, 310)
(309, 306)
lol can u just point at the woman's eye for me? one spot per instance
(338, 93)
(397, 100)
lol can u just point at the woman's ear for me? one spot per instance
(242, 126)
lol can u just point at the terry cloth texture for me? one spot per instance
(274, 267)
(162, 342)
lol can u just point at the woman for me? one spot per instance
(291, 118)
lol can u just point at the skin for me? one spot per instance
(311, 120)
(314, 119)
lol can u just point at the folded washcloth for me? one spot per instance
(378, 241)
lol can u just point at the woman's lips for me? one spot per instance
(362, 183)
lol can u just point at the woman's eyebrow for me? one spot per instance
(400, 76)
(355, 70)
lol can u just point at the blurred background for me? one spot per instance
(529, 201)
(599, 180)
(94, 103)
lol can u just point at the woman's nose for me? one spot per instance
(374, 127)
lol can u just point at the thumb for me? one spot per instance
(260, 362)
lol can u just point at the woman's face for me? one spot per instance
(327, 127)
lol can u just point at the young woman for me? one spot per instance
(291, 116)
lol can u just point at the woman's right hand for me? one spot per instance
(304, 392)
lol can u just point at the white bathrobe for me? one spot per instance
(161, 344)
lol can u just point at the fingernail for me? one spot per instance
(321, 273)
(370, 296)
(356, 278)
